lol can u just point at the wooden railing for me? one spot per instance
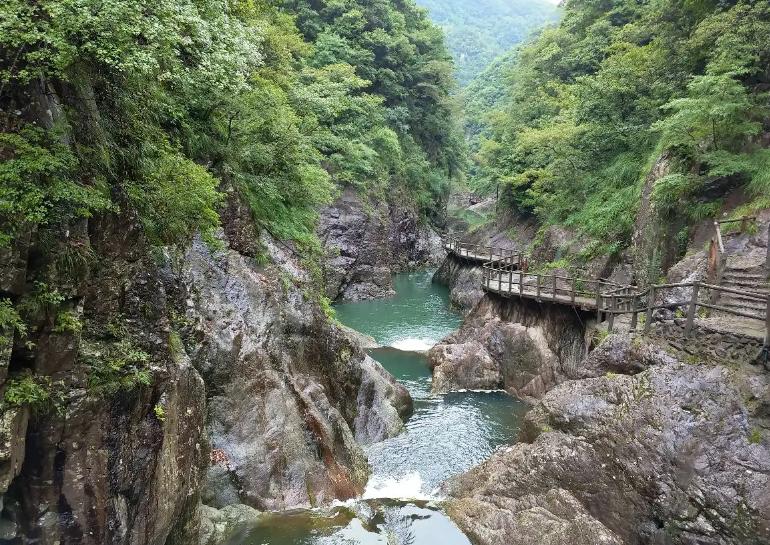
(481, 252)
(702, 295)
(507, 276)
(506, 272)
(717, 255)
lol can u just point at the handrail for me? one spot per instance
(508, 270)
(742, 219)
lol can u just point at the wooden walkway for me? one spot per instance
(505, 274)
(480, 253)
(548, 288)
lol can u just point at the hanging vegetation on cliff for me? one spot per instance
(158, 108)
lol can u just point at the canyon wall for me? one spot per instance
(366, 242)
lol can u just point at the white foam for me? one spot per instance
(475, 391)
(413, 344)
(407, 487)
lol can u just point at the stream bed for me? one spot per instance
(447, 435)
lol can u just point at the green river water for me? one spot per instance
(446, 435)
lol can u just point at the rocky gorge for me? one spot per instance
(367, 241)
(631, 438)
(252, 398)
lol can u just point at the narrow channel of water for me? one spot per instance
(446, 435)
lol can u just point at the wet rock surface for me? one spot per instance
(117, 464)
(365, 243)
(291, 396)
(251, 394)
(666, 452)
(517, 345)
(464, 281)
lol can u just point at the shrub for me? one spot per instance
(28, 390)
(114, 367)
(68, 322)
(160, 412)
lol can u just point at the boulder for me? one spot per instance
(665, 455)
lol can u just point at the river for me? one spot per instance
(446, 435)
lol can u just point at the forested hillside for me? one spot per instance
(619, 86)
(478, 31)
(159, 109)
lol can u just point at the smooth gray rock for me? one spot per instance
(664, 456)
(365, 243)
(513, 344)
(289, 392)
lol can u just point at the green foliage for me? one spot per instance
(327, 308)
(589, 107)
(755, 437)
(378, 87)
(115, 366)
(599, 336)
(478, 32)
(159, 412)
(10, 320)
(40, 302)
(38, 184)
(174, 198)
(170, 106)
(34, 392)
(68, 322)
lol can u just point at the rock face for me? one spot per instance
(365, 243)
(666, 452)
(513, 344)
(118, 466)
(291, 397)
(244, 375)
(464, 281)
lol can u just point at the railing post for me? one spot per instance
(538, 286)
(573, 290)
(634, 313)
(767, 326)
(767, 259)
(650, 304)
(692, 309)
(599, 309)
(598, 301)
(553, 287)
(510, 279)
(611, 318)
(521, 283)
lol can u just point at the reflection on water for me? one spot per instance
(368, 523)
(416, 318)
(447, 435)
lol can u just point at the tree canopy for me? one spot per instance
(478, 31)
(593, 103)
(161, 108)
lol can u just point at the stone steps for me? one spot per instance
(752, 278)
(740, 303)
(759, 289)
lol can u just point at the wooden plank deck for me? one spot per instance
(480, 257)
(505, 274)
(501, 286)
